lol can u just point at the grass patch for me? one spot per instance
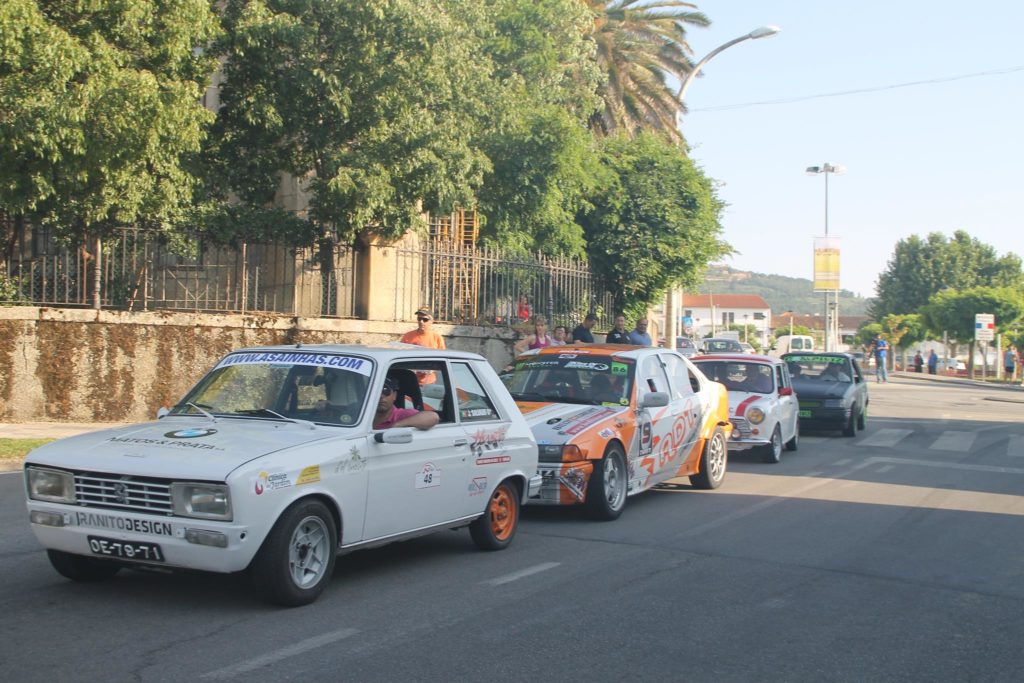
(13, 451)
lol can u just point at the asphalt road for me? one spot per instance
(895, 555)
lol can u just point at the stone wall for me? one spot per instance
(113, 366)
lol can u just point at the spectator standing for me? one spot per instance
(523, 309)
(918, 362)
(933, 362)
(582, 333)
(1008, 363)
(881, 356)
(618, 334)
(538, 340)
(638, 335)
(424, 335)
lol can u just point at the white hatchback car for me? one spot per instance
(272, 463)
(762, 406)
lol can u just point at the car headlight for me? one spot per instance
(559, 453)
(53, 486)
(755, 415)
(204, 501)
(834, 403)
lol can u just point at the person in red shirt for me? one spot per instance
(388, 415)
(423, 335)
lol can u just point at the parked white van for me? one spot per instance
(793, 342)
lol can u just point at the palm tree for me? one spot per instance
(640, 43)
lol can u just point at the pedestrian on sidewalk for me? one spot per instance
(933, 362)
(881, 349)
(1008, 363)
(918, 362)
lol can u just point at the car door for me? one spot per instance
(423, 482)
(655, 434)
(686, 405)
(787, 403)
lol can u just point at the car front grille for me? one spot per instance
(141, 494)
(740, 428)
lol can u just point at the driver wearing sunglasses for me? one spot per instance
(388, 415)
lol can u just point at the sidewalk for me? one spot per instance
(1014, 387)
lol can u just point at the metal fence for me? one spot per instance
(138, 272)
(484, 286)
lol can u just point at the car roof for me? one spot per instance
(384, 351)
(842, 354)
(626, 350)
(739, 357)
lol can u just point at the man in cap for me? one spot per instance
(423, 335)
(387, 415)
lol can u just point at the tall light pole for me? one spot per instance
(831, 319)
(763, 32)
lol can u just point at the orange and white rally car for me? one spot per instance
(614, 420)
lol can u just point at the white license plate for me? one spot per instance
(125, 550)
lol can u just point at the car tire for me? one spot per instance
(608, 485)
(794, 443)
(296, 561)
(713, 462)
(772, 453)
(495, 528)
(81, 568)
(851, 425)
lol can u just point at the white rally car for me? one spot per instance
(762, 406)
(272, 463)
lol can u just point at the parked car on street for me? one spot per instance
(762, 405)
(612, 421)
(747, 348)
(272, 463)
(720, 345)
(686, 347)
(831, 389)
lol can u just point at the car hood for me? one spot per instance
(183, 447)
(560, 423)
(821, 390)
(739, 401)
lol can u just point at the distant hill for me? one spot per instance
(781, 292)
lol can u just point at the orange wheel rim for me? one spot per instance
(503, 513)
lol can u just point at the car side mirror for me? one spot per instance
(163, 412)
(786, 391)
(394, 435)
(655, 399)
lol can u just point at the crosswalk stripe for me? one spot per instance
(959, 442)
(1015, 446)
(886, 438)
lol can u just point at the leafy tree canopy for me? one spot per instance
(920, 268)
(654, 224)
(99, 109)
(953, 311)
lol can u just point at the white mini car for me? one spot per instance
(272, 463)
(762, 406)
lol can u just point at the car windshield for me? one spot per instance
(573, 378)
(737, 376)
(820, 368)
(715, 345)
(321, 388)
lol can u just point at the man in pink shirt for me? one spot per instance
(388, 415)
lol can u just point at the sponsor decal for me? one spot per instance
(585, 419)
(428, 477)
(566, 355)
(574, 480)
(554, 420)
(355, 462)
(494, 460)
(577, 365)
(271, 482)
(350, 363)
(190, 433)
(531, 364)
(308, 475)
(619, 368)
(478, 486)
(139, 441)
(114, 522)
(606, 433)
(815, 359)
(477, 412)
(488, 440)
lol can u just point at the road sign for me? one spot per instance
(984, 327)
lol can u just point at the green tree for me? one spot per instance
(901, 331)
(953, 312)
(640, 43)
(100, 111)
(654, 224)
(366, 103)
(920, 268)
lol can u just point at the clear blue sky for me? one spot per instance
(936, 157)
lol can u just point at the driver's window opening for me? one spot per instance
(423, 385)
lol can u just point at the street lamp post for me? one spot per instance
(762, 32)
(831, 319)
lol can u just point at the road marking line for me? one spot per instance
(886, 438)
(844, 461)
(959, 442)
(1015, 446)
(886, 468)
(284, 653)
(813, 439)
(522, 573)
(949, 465)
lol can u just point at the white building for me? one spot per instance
(704, 314)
